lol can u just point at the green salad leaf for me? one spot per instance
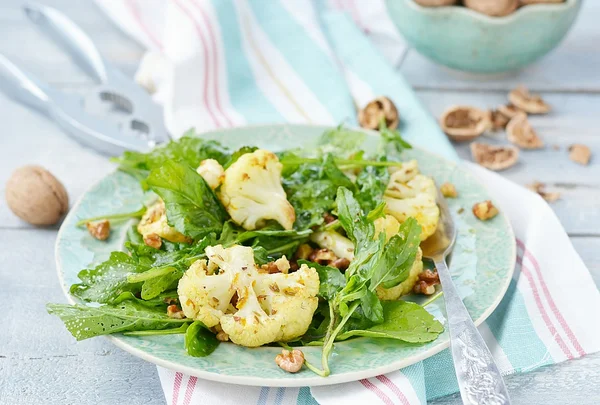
(404, 321)
(371, 183)
(199, 341)
(190, 149)
(108, 280)
(331, 279)
(192, 207)
(85, 322)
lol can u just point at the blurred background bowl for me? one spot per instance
(463, 39)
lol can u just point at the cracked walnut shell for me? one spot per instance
(580, 154)
(463, 123)
(494, 157)
(530, 103)
(520, 133)
(36, 196)
(382, 107)
(493, 8)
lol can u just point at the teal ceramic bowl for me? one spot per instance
(463, 39)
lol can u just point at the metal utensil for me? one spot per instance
(140, 130)
(479, 378)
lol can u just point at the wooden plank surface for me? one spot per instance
(40, 363)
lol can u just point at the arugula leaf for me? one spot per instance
(108, 280)
(155, 286)
(341, 140)
(190, 149)
(391, 140)
(398, 257)
(199, 341)
(371, 183)
(404, 321)
(312, 188)
(331, 279)
(192, 207)
(85, 322)
(371, 307)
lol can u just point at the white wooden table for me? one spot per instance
(40, 363)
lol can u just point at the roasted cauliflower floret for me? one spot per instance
(205, 296)
(387, 224)
(411, 194)
(154, 221)
(407, 285)
(212, 172)
(340, 245)
(269, 307)
(252, 193)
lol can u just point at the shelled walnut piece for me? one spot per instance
(520, 133)
(99, 229)
(427, 282)
(290, 361)
(382, 107)
(494, 157)
(485, 210)
(36, 196)
(465, 123)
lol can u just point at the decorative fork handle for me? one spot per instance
(479, 379)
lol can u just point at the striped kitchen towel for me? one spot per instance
(223, 63)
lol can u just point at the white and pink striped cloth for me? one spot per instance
(222, 63)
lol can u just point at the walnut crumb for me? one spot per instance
(99, 229)
(290, 361)
(427, 282)
(153, 240)
(485, 210)
(448, 190)
(579, 153)
(173, 311)
(539, 188)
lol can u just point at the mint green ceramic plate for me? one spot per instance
(482, 266)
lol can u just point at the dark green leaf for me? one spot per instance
(332, 280)
(189, 149)
(108, 280)
(192, 207)
(199, 341)
(85, 322)
(404, 321)
(371, 307)
(398, 257)
(341, 141)
(155, 286)
(371, 183)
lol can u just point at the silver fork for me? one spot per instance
(478, 376)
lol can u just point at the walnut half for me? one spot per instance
(494, 157)
(382, 107)
(427, 282)
(464, 123)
